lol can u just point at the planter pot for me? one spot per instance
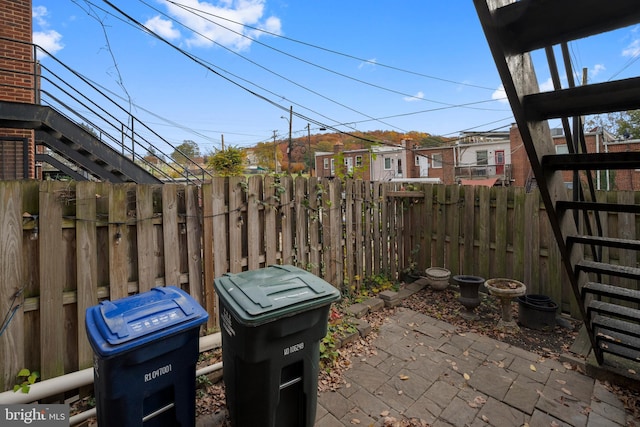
(537, 312)
(438, 278)
(469, 296)
(410, 277)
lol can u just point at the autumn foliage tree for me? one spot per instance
(228, 162)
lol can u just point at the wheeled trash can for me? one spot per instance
(272, 321)
(145, 354)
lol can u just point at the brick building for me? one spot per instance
(479, 158)
(17, 77)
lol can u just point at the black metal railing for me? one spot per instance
(99, 111)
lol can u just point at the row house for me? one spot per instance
(380, 163)
(478, 158)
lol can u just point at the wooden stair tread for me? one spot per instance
(609, 242)
(618, 292)
(618, 95)
(591, 161)
(563, 205)
(610, 269)
(616, 310)
(619, 350)
(604, 325)
(528, 25)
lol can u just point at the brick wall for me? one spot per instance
(16, 72)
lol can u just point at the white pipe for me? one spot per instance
(210, 342)
(83, 416)
(208, 369)
(49, 387)
(53, 386)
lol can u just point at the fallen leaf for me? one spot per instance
(561, 382)
(565, 391)
(355, 421)
(485, 418)
(480, 400)
(632, 372)
(533, 368)
(384, 413)
(403, 377)
(466, 376)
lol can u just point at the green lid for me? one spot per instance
(259, 296)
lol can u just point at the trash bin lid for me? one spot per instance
(120, 325)
(259, 296)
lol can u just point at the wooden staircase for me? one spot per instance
(607, 287)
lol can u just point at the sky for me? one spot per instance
(232, 69)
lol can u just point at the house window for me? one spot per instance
(482, 158)
(562, 149)
(326, 163)
(417, 161)
(387, 163)
(333, 166)
(358, 161)
(436, 160)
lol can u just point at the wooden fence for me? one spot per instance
(66, 246)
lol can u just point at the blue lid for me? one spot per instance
(117, 326)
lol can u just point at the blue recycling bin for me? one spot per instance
(272, 321)
(146, 348)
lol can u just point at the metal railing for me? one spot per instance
(99, 111)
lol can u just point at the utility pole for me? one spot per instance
(222, 142)
(290, 148)
(275, 151)
(311, 161)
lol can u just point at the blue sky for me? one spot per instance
(409, 65)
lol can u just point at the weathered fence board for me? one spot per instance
(86, 264)
(12, 338)
(98, 240)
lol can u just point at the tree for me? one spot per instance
(228, 162)
(623, 124)
(629, 124)
(266, 153)
(185, 151)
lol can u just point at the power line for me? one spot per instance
(333, 51)
(192, 9)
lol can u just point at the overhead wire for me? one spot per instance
(268, 69)
(337, 52)
(282, 52)
(211, 67)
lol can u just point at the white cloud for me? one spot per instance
(209, 19)
(418, 96)
(633, 49)
(500, 95)
(597, 69)
(162, 27)
(547, 86)
(49, 40)
(39, 13)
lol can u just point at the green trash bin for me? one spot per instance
(272, 321)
